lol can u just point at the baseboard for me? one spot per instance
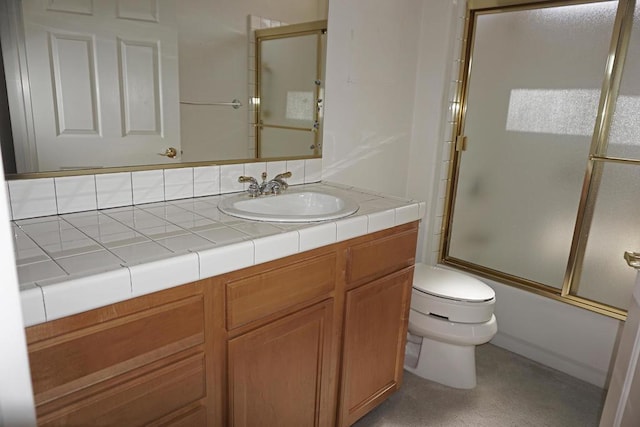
(553, 360)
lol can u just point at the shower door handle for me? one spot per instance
(633, 259)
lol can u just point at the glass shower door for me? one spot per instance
(290, 78)
(531, 103)
(614, 224)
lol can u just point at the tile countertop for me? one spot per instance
(75, 262)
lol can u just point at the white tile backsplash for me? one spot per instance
(206, 181)
(255, 170)
(114, 189)
(178, 183)
(296, 167)
(32, 198)
(148, 186)
(274, 168)
(229, 175)
(312, 170)
(76, 193)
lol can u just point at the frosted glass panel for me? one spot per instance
(275, 142)
(289, 70)
(615, 229)
(624, 139)
(532, 104)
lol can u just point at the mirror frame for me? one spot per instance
(10, 15)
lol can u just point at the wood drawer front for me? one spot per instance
(259, 296)
(371, 260)
(140, 400)
(78, 359)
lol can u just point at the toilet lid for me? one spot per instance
(450, 284)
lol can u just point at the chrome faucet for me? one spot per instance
(254, 188)
(274, 186)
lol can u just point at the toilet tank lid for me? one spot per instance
(450, 284)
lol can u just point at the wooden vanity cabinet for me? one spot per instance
(379, 281)
(314, 339)
(282, 354)
(145, 361)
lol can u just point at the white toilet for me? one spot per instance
(450, 314)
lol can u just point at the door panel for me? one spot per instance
(87, 118)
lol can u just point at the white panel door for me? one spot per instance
(104, 81)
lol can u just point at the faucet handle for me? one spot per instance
(283, 175)
(247, 179)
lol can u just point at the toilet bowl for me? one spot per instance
(450, 314)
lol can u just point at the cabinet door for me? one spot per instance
(279, 373)
(376, 316)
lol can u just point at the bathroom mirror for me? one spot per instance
(96, 84)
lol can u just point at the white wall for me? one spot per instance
(371, 65)
(16, 396)
(390, 67)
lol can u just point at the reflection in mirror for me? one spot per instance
(113, 83)
(290, 86)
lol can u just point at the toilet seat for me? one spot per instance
(451, 285)
(452, 333)
(451, 296)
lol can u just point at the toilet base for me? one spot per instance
(448, 364)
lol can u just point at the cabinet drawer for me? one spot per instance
(372, 260)
(274, 291)
(137, 401)
(73, 361)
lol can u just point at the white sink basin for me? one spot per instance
(291, 206)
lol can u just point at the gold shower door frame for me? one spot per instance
(595, 162)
